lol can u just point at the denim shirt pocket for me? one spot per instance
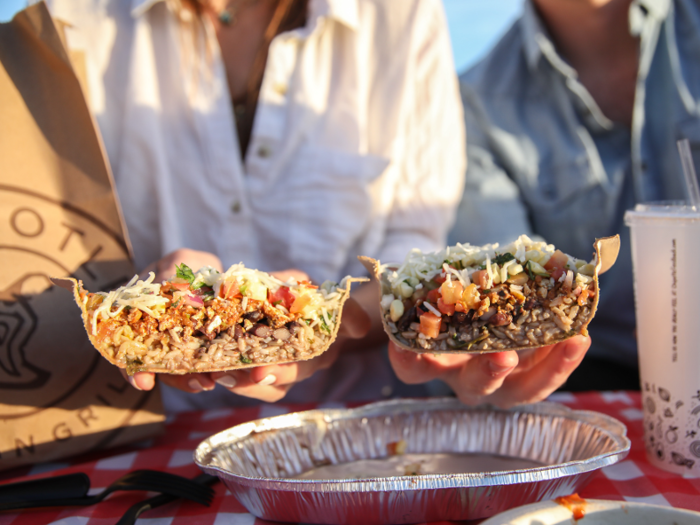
(569, 206)
(331, 206)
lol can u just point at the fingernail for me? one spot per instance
(227, 381)
(267, 380)
(195, 385)
(132, 382)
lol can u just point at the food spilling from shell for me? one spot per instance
(487, 298)
(209, 321)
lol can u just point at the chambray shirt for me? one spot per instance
(544, 160)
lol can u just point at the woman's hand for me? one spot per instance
(268, 382)
(165, 267)
(272, 382)
(503, 379)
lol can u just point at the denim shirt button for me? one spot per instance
(264, 152)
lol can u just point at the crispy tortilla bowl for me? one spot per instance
(470, 299)
(208, 321)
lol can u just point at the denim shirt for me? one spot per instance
(544, 160)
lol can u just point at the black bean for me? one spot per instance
(262, 330)
(293, 327)
(406, 319)
(254, 316)
(238, 331)
(517, 311)
(500, 319)
(459, 317)
(470, 316)
(282, 334)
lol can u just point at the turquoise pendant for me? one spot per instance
(225, 17)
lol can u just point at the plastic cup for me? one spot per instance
(666, 260)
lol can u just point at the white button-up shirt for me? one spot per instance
(357, 146)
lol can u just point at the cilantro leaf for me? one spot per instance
(529, 271)
(184, 272)
(325, 327)
(503, 258)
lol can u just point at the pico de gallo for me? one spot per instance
(475, 298)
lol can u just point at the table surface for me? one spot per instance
(633, 479)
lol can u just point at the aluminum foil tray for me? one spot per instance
(496, 459)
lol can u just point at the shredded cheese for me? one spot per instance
(145, 295)
(462, 260)
(432, 308)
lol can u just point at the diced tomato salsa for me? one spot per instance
(430, 324)
(282, 296)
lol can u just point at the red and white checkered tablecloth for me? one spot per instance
(633, 479)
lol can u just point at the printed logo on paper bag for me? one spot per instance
(46, 359)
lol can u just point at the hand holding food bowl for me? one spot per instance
(498, 325)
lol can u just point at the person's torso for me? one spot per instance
(317, 173)
(576, 171)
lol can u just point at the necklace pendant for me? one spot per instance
(226, 17)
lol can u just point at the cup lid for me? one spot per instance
(675, 211)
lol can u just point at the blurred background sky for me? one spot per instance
(475, 25)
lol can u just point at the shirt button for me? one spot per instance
(264, 152)
(280, 88)
(236, 207)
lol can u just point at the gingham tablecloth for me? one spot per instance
(633, 479)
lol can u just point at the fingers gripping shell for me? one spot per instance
(222, 334)
(523, 310)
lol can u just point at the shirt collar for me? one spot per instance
(535, 35)
(344, 11)
(139, 7)
(641, 10)
(531, 26)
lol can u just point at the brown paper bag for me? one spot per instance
(58, 217)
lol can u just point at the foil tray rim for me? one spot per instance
(614, 428)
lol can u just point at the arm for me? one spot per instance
(430, 154)
(491, 210)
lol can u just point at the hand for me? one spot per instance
(164, 268)
(268, 382)
(272, 382)
(503, 379)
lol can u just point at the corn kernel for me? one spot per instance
(396, 310)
